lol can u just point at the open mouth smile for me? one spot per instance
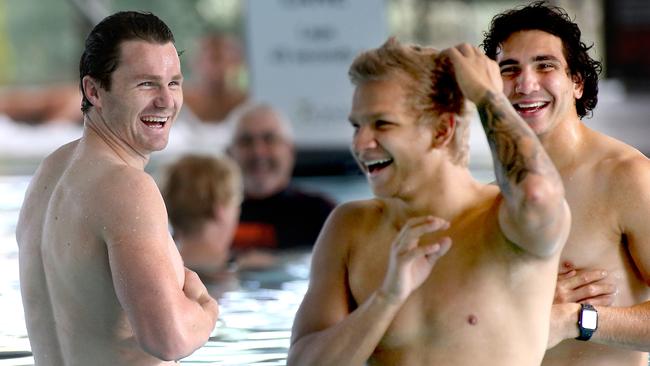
(530, 108)
(154, 122)
(374, 166)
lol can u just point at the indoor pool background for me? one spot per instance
(256, 312)
(256, 307)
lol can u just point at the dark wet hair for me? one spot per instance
(554, 20)
(102, 48)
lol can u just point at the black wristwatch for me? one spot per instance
(587, 322)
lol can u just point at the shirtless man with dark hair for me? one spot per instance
(552, 82)
(101, 279)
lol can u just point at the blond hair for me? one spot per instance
(428, 80)
(194, 184)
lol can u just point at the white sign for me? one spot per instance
(299, 52)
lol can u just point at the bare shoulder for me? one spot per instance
(625, 168)
(125, 197)
(127, 182)
(356, 216)
(361, 210)
(42, 184)
(622, 172)
(347, 223)
(630, 181)
(54, 164)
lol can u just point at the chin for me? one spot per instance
(159, 147)
(381, 192)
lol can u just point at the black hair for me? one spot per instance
(102, 47)
(553, 20)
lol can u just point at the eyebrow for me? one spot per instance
(538, 58)
(156, 77)
(374, 116)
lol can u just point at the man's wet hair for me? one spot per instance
(553, 20)
(101, 54)
(428, 80)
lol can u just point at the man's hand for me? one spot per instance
(195, 290)
(589, 286)
(475, 73)
(410, 261)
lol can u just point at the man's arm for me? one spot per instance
(534, 214)
(626, 327)
(168, 308)
(327, 330)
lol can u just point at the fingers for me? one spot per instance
(584, 286)
(583, 277)
(464, 49)
(603, 300)
(594, 290)
(193, 287)
(566, 275)
(431, 251)
(415, 228)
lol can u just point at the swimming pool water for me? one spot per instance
(256, 313)
(256, 309)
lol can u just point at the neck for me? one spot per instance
(205, 251)
(97, 130)
(563, 143)
(445, 191)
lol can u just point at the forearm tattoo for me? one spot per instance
(515, 149)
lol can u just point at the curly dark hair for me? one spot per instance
(102, 47)
(540, 15)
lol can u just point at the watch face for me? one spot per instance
(589, 319)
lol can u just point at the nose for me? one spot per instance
(526, 82)
(259, 147)
(165, 98)
(363, 139)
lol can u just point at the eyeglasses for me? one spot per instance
(266, 138)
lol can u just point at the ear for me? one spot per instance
(578, 86)
(444, 129)
(91, 90)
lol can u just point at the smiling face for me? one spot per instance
(388, 142)
(263, 149)
(536, 79)
(145, 95)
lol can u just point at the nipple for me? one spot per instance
(472, 319)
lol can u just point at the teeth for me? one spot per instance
(155, 119)
(531, 105)
(373, 162)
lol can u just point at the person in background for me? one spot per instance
(218, 85)
(275, 214)
(203, 195)
(387, 286)
(101, 279)
(215, 92)
(601, 314)
(42, 104)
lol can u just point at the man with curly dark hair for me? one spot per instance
(602, 292)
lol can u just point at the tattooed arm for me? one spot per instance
(533, 214)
